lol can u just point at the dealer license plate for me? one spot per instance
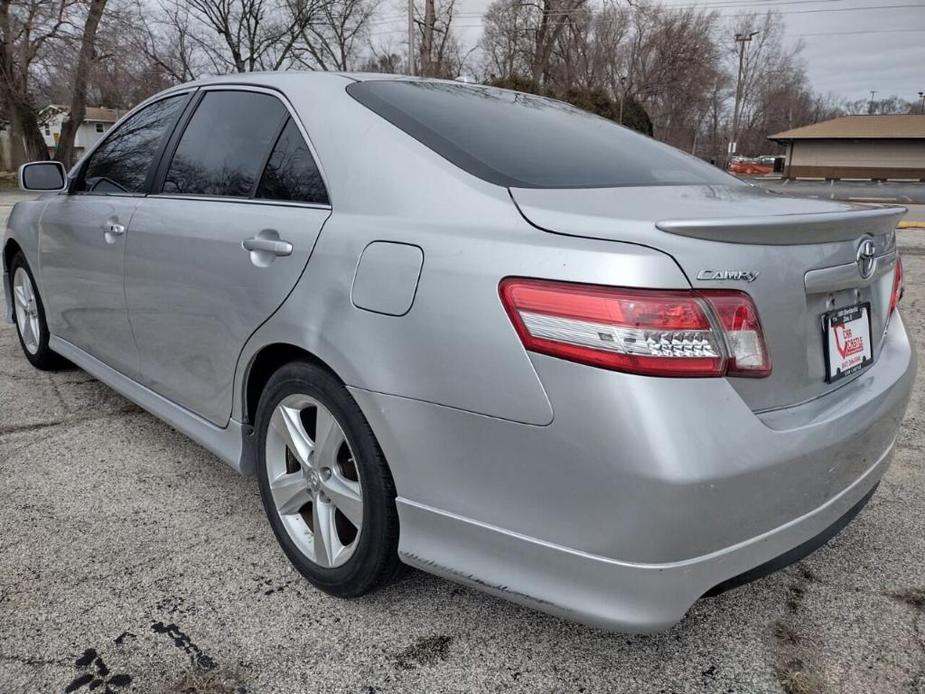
(847, 341)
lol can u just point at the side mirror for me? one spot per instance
(43, 176)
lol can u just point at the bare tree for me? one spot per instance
(769, 65)
(554, 17)
(332, 39)
(505, 41)
(383, 57)
(252, 34)
(441, 54)
(890, 104)
(64, 152)
(169, 40)
(28, 29)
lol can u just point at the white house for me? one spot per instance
(97, 121)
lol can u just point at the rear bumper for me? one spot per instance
(642, 494)
(595, 590)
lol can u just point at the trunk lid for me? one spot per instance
(796, 257)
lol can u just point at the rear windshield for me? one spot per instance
(525, 141)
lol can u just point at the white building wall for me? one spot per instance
(88, 134)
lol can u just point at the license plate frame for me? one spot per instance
(843, 362)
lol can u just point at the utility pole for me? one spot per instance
(922, 107)
(410, 37)
(741, 39)
(870, 106)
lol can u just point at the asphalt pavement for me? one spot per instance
(131, 559)
(902, 192)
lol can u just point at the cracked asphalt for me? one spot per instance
(133, 560)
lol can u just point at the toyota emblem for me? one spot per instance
(866, 258)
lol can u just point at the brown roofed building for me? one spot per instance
(869, 147)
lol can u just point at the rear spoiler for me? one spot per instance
(787, 230)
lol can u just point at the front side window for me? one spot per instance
(225, 145)
(122, 162)
(291, 172)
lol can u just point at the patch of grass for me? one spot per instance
(796, 678)
(785, 633)
(207, 682)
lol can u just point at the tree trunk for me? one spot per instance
(539, 49)
(26, 142)
(27, 124)
(64, 152)
(427, 43)
(17, 150)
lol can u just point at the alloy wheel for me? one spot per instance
(27, 311)
(314, 480)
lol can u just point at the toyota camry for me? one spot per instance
(477, 332)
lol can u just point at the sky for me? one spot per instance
(850, 46)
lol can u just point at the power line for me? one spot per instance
(747, 3)
(739, 5)
(579, 10)
(862, 31)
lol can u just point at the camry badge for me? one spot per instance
(742, 275)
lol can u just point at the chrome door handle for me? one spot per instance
(273, 246)
(112, 232)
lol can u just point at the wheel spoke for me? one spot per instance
(328, 439)
(346, 496)
(28, 335)
(290, 492)
(325, 534)
(288, 424)
(20, 293)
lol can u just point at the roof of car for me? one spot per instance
(879, 127)
(280, 77)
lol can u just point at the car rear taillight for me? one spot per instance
(738, 318)
(654, 332)
(897, 293)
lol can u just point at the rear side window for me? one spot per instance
(122, 163)
(520, 140)
(291, 172)
(225, 145)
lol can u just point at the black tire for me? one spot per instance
(43, 358)
(375, 561)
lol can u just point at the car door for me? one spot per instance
(83, 234)
(218, 248)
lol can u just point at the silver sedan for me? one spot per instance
(477, 332)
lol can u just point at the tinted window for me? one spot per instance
(291, 173)
(225, 145)
(521, 140)
(121, 164)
